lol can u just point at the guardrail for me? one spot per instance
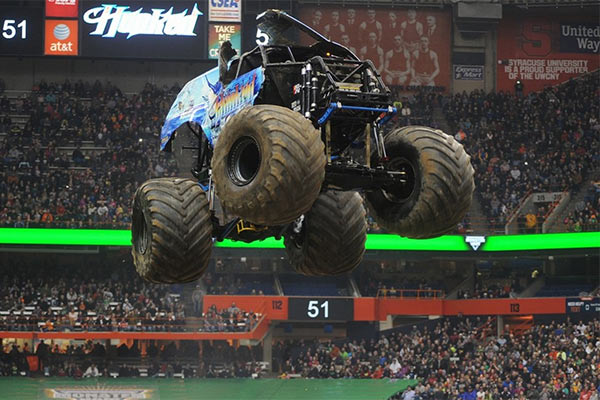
(422, 294)
(256, 333)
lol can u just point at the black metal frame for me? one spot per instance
(343, 96)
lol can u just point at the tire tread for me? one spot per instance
(446, 190)
(335, 237)
(181, 230)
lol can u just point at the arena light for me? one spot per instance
(111, 237)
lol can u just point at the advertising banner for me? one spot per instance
(61, 8)
(468, 72)
(61, 38)
(583, 305)
(219, 33)
(409, 47)
(143, 29)
(225, 10)
(100, 392)
(542, 52)
(579, 38)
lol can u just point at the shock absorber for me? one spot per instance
(307, 90)
(313, 92)
(303, 89)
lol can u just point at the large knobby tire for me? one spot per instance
(439, 184)
(268, 165)
(171, 230)
(332, 238)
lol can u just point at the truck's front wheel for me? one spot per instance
(171, 230)
(268, 165)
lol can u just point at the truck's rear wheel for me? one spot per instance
(439, 184)
(268, 165)
(171, 230)
(331, 238)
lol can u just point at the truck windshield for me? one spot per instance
(277, 28)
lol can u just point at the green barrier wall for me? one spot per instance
(198, 389)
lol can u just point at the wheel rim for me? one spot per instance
(244, 160)
(401, 193)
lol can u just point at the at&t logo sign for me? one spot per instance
(61, 38)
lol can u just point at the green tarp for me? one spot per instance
(222, 389)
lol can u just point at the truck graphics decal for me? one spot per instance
(204, 101)
(237, 95)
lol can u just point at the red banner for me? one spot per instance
(61, 8)
(378, 308)
(545, 51)
(408, 47)
(526, 306)
(33, 362)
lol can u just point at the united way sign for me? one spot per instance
(580, 38)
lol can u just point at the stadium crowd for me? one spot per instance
(85, 147)
(415, 108)
(99, 298)
(81, 154)
(548, 141)
(217, 359)
(374, 287)
(584, 218)
(461, 360)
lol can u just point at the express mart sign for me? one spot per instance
(112, 20)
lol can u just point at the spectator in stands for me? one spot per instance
(100, 299)
(197, 297)
(91, 372)
(458, 359)
(78, 158)
(545, 137)
(45, 173)
(547, 142)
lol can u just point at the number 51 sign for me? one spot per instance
(321, 309)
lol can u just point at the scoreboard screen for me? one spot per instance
(143, 29)
(21, 31)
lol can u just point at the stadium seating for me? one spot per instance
(298, 285)
(41, 134)
(566, 287)
(542, 142)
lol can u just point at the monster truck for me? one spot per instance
(279, 142)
